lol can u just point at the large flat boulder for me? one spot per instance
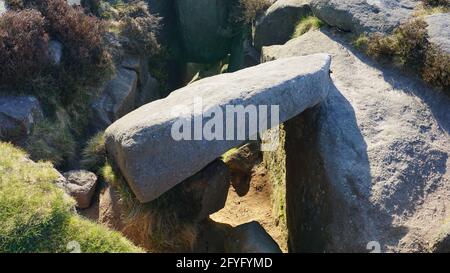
(360, 16)
(371, 163)
(439, 30)
(278, 23)
(153, 161)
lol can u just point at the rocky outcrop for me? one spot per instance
(81, 186)
(250, 238)
(439, 30)
(241, 161)
(374, 160)
(360, 16)
(131, 87)
(118, 97)
(18, 115)
(210, 188)
(148, 145)
(441, 244)
(148, 87)
(204, 28)
(278, 23)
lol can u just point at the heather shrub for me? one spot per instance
(436, 70)
(85, 60)
(409, 48)
(15, 4)
(436, 3)
(83, 39)
(139, 28)
(407, 45)
(246, 11)
(23, 46)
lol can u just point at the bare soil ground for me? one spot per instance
(255, 206)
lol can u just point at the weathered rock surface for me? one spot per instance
(152, 161)
(149, 91)
(138, 65)
(148, 87)
(360, 16)
(118, 97)
(209, 189)
(279, 21)
(55, 51)
(369, 164)
(442, 242)
(439, 30)
(250, 238)
(17, 117)
(241, 162)
(204, 28)
(81, 185)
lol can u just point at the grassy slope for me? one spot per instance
(36, 216)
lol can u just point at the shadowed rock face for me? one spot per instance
(279, 21)
(152, 161)
(363, 15)
(250, 238)
(204, 28)
(370, 163)
(18, 115)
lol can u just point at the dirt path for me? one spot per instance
(255, 206)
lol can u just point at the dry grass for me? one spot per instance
(163, 225)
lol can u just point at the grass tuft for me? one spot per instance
(306, 24)
(51, 141)
(94, 154)
(163, 225)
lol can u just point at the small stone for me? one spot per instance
(250, 238)
(81, 186)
